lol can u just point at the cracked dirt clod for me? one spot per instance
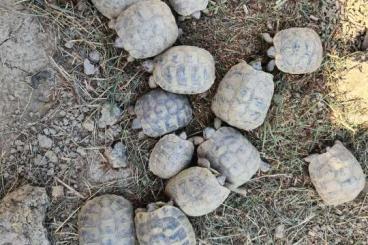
(26, 80)
(22, 213)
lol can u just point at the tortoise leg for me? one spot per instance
(217, 123)
(136, 124)
(182, 18)
(148, 66)
(267, 37)
(130, 58)
(112, 24)
(118, 43)
(265, 167)
(183, 135)
(256, 64)
(196, 140)
(271, 52)
(208, 133)
(196, 15)
(152, 83)
(221, 179)
(271, 65)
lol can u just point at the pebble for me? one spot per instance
(88, 125)
(94, 56)
(110, 114)
(89, 68)
(44, 141)
(117, 155)
(280, 231)
(57, 192)
(51, 156)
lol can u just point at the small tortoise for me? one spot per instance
(196, 191)
(159, 112)
(189, 7)
(243, 97)
(170, 155)
(336, 175)
(106, 219)
(231, 154)
(183, 70)
(163, 224)
(146, 29)
(112, 8)
(297, 50)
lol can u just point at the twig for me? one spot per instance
(69, 188)
(67, 219)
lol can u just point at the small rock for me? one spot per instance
(51, 156)
(280, 231)
(57, 192)
(81, 151)
(271, 66)
(117, 156)
(256, 64)
(89, 68)
(110, 114)
(197, 140)
(208, 132)
(22, 214)
(94, 56)
(88, 125)
(69, 44)
(44, 141)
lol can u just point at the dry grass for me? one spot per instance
(299, 122)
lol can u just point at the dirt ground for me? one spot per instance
(282, 206)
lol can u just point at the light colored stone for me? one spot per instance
(117, 155)
(51, 156)
(44, 141)
(22, 214)
(88, 125)
(280, 231)
(110, 114)
(89, 68)
(57, 192)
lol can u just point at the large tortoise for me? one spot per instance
(183, 70)
(146, 29)
(196, 191)
(159, 112)
(336, 175)
(189, 7)
(113, 8)
(106, 219)
(170, 155)
(231, 154)
(163, 224)
(243, 97)
(297, 50)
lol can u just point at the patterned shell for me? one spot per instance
(188, 7)
(161, 112)
(147, 28)
(170, 155)
(196, 191)
(243, 97)
(231, 154)
(298, 50)
(185, 70)
(336, 175)
(112, 8)
(107, 219)
(166, 225)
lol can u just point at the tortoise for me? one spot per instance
(163, 224)
(196, 191)
(243, 97)
(231, 154)
(297, 50)
(189, 7)
(146, 29)
(182, 70)
(336, 175)
(170, 155)
(112, 8)
(106, 219)
(159, 112)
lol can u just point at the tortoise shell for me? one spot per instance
(298, 50)
(243, 97)
(185, 70)
(165, 225)
(160, 112)
(112, 8)
(147, 28)
(188, 7)
(231, 154)
(196, 191)
(336, 175)
(106, 219)
(170, 155)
